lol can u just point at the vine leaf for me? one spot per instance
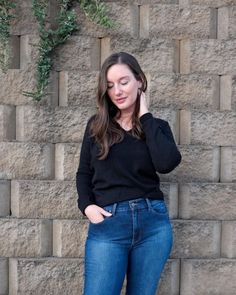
(6, 15)
(51, 38)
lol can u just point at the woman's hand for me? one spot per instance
(95, 213)
(143, 105)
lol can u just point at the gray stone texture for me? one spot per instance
(228, 241)
(169, 282)
(24, 160)
(142, 2)
(228, 164)
(233, 92)
(59, 124)
(67, 157)
(188, 22)
(212, 56)
(78, 88)
(193, 91)
(199, 164)
(24, 22)
(196, 239)
(45, 276)
(161, 50)
(28, 52)
(123, 13)
(20, 80)
(220, 131)
(5, 195)
(210, 276)
(231, 22)
(25, 237)
(80, 46)
(170, 191)
(69, 237)
(213, 3)
(226, 90)
(7, 122)
(215, 201)
(28, 199)
(3, 276)
(233, 165)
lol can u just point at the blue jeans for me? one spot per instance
(135, 241)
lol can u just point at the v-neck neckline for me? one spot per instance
(123, 128)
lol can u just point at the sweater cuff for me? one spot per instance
(83, 206)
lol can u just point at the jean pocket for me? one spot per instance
(159, 206)
(100, 222)
(108, 208)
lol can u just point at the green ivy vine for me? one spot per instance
(66, 25)
(50, 38)
(6, 15)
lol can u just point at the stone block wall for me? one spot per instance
(187, 49)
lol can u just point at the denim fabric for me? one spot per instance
(135, 241)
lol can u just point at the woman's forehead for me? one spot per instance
(118, 71)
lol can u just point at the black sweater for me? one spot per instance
(129, 171)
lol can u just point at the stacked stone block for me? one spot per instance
(187, 49)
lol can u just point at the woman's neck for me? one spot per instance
(126, 115)
(125, 120)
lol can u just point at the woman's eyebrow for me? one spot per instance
(119, 79)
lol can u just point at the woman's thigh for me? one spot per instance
(105, 267)
(106, 254)
(149, 254)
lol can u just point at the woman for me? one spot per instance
(123, 147)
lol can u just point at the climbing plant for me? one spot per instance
(66, 25)
(6, 15)
(50, 38)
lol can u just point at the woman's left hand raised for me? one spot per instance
(143, 105)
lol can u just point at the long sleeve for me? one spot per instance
(161, 144)
(84, 173)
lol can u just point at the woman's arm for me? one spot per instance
(84, 173)
(161, 144)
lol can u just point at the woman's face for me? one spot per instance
(122, 87)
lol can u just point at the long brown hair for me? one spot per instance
(104, 127)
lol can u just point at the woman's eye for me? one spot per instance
(124, 83)
(109, 86)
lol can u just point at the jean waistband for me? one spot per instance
(128, 205)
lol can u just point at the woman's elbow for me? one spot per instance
(170, 165)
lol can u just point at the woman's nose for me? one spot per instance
(117, 90)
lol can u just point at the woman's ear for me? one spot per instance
(140, 84)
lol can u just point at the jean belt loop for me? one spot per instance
(114, 208)
(148, 203)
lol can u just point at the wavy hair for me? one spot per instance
(104, 127)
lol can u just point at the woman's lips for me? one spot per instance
(121, 100)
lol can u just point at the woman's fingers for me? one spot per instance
(106, 213)
(96, 214)
(143, 105)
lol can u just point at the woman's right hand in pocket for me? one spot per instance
(95, 213)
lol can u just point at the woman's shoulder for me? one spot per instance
(89, 125)
(149, 116)
(90, 120)
(160, 121)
